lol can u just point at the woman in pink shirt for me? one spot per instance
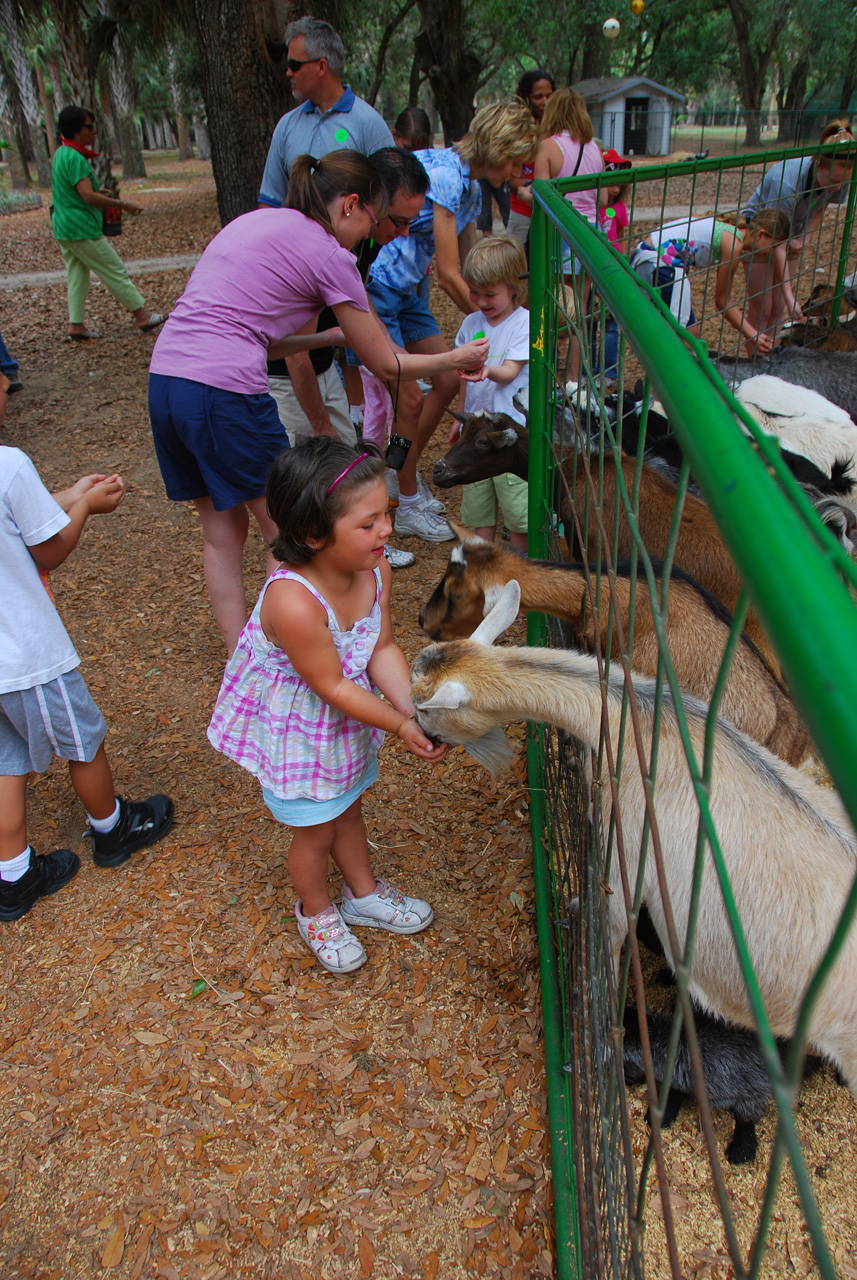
(255, 295)
(567, 152)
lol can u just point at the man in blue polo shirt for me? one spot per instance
(331, 115)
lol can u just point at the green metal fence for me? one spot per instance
(612, 1186)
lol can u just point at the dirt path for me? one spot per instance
(284, 1123)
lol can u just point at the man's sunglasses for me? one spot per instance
(294, 64)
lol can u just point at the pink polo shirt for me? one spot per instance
(259, 280)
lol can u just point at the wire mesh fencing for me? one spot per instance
(696, 871)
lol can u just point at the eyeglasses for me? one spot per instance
(295, 64)
(90, 124)
(399, 223)
(370, 210)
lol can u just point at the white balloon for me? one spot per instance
(611, 28)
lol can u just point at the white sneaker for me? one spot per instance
(398, 559)
(427, 499)
(422, 523)
(330, 940)
(386, 908)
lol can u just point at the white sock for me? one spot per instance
(406, 501)
(13, 868)
(103, 825)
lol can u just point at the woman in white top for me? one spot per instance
(667, 254)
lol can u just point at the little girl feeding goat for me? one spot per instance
(789, 848)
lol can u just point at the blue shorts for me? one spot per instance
(212, 443)
(305, 812)
(404, 313)
(54, 719)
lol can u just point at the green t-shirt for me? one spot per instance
(73, 218)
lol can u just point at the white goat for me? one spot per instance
(803, 420)
(788, 845)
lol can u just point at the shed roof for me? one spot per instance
(616, 86)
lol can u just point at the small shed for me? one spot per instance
(632, 114)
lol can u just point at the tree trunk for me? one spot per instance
(595, 57)
(27, 93)
(451, 69)
(200, 133)
(849, 83)
(754, 56)
(47, 109)
(791, 101)
(67, 22)
(244, 93)
(381, 57)
(107, 116)
(10, 121)
(123, 94)
(55, 73)
(185, 149)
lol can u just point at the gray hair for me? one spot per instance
(321, 41)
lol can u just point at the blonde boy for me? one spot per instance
(493, 271)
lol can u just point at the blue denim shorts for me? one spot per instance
(54, 719)
(212, 443)
(405, 314)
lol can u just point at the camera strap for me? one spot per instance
(395, 398)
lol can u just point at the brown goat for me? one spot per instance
(492, 444)
(700, 550)
(697, 632)
(816, 330)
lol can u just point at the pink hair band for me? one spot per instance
(344, 473)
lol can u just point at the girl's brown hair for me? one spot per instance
(309, 488)
(315, 184)
(566, 113)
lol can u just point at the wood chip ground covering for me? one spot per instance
(285, 1123)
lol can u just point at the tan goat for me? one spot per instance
(697, 632)
(788, 846)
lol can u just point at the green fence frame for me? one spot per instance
(805, 607)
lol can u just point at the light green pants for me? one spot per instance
(83, 256)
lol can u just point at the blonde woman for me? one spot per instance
(568, 151)
(500, 139)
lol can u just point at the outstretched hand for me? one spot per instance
(68, 497)
(471, 355)
(105, 496)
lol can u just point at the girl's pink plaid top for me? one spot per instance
(272, 723)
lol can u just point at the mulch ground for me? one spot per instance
(186, 1094)
(284, 1122)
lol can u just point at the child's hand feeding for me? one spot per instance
(417, 742)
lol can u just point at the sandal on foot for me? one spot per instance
(153, 321)
(82, 337)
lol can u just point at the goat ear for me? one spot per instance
(502, 616)
(521, 400)
(505, 438)
(448, 696)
